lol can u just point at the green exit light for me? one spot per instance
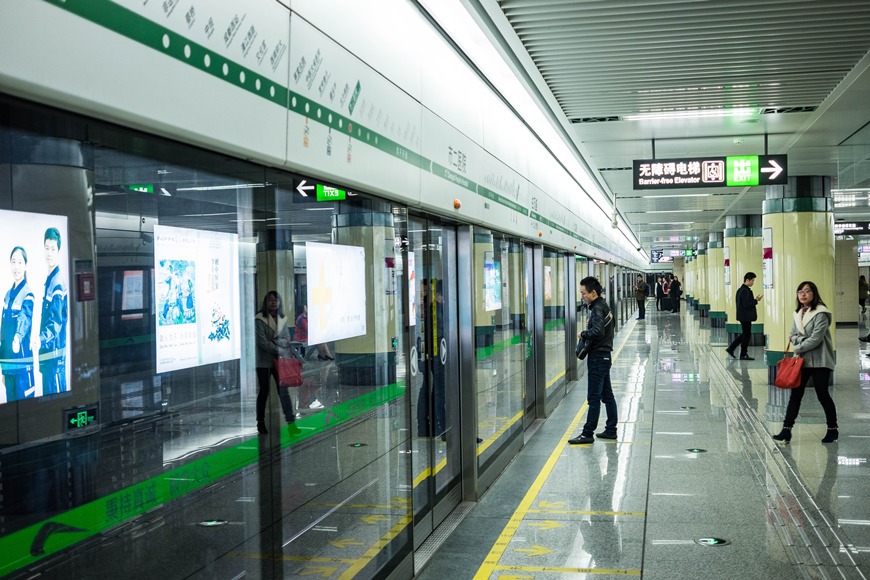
(326, 193)
(140, 187)
(80, 418)
(742, 170)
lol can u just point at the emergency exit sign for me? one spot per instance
(78, 418)
(732, 171)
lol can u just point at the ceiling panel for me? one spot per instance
(801, 68)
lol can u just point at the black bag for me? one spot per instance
(582, 349)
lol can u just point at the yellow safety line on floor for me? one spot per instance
(561, 570)
(372, 552)
(586, 513)
(491, 562)
(322, 560)
(494, 437)
(556, 378)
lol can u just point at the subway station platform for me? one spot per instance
(694, 463)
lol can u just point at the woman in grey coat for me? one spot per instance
(273, 336)
(811, 337)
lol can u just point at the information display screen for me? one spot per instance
(196, 297)
(34, 283)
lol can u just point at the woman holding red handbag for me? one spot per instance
(273, 336)
(811, 337)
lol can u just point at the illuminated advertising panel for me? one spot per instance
(336, 291)
(491, 282)
(196, 297)
(34, 328)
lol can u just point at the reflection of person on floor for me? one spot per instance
(16, 354)
(600, 535)
(434, 424)
(52, 325)
(273, 338)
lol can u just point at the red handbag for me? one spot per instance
(788, 371)
(289, 371)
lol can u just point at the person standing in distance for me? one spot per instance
(660, 292)
(52, 325)
(640, 295)
(599, 334)
(676, 290)
(746, 314)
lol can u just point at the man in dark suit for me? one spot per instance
(746, 314)
(674, 292)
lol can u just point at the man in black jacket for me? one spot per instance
(640, 296)
(599, 334)
(746, 314)
(676, 290)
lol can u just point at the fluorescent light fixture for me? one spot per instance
(691, 114)
(670, 223)
(224, 187)
(677, 195)
(671, 211)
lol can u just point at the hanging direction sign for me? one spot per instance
(731, 171)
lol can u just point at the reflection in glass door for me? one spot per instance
(434, 377)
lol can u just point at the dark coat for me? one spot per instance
(746, 305)
(599, 327)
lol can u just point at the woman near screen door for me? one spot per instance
(273, 336)
(16, 354)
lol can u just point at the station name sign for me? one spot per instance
(732, 171)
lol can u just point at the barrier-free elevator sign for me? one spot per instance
(732, 171)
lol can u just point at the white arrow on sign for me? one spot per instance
(302, 188)
(774, 171)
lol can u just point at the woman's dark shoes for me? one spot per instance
(864, 338)
(261, 428)
(831, 435)
(784, 435)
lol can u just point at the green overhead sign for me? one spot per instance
(731, 171)
(140, 187)
(326, 193)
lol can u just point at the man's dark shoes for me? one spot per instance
(746, 357)
(831, 435)
(730, 353)
(582, 439)
(606, 435)
(864, 338)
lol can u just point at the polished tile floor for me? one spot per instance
(694, 461)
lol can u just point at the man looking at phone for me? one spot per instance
(746, 314)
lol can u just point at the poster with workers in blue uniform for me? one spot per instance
(34, 323)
